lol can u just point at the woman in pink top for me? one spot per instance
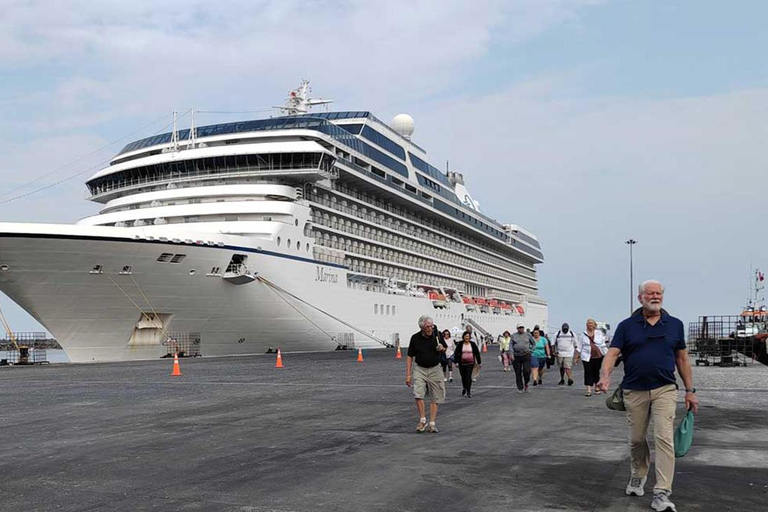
(466, 356)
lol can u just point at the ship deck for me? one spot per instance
(328, 433)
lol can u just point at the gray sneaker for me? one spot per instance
(635, 486)
(661, 501)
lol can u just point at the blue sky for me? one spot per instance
(603, 120)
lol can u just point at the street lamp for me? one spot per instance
(630, 243)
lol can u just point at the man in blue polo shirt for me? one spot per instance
(652, 344)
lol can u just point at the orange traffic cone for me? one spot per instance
(176, 369)
(485, 347)
(399, 355)
(359, 355)
(279, 363)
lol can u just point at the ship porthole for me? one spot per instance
(192, 272)
(4, 268)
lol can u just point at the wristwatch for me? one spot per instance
(690, 390)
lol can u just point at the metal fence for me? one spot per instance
(185, 344)
(723, 340)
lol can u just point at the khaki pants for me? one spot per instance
(659, 403)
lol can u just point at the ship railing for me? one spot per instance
(421, 221)
(409, 245)
(221, 173)
(430, 237)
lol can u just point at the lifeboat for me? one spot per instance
(495, 307)
(520, 310)
(506, 308)
(469, 303)
(438, 299)
(482, 304)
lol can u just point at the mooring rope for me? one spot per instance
(277, 288)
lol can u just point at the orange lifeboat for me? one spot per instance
(482, 304)
(495, 307)
(438, 299)
(520, 309)
(506, 308)
(469, 303)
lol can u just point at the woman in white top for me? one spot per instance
(446, 358)
(591, 349)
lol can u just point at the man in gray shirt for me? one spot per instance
(522, 346)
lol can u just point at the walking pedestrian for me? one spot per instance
(591, 349)
(539, 355)
(652, 343)
(565, 347)
(467, 356)
(504, 342)
(446, 358)
(522, 347)
(422, 372)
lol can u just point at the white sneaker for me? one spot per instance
(636, 486)
(662, 502)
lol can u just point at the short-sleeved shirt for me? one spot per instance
(649, 350)
(540, 349)
(424, 350)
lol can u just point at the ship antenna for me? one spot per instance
(192, 131)
(299, 102)
(175, 132)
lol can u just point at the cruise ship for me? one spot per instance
(305, 232)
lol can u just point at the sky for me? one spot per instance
(587, 122)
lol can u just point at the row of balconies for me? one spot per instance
(421, 234)
(411, 245)
(380, 253)
(422, 221)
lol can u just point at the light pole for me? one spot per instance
(630, 243)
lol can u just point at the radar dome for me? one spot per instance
(403, 124)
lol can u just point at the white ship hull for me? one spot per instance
(49, 272)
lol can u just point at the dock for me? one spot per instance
(328, 433)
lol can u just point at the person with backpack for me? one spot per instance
(565, 347)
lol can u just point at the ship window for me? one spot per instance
(298, 246)
(296, 222)
(393, 310)
(289, 243)
(166, 256)
(178, 258)
(387, 309)
(278, 241)
(375, 309)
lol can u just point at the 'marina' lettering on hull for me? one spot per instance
(325, 276)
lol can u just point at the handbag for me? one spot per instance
(615, 401)
(684, 435)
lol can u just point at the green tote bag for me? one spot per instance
(684, 435)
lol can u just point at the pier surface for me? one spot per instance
(327, 433)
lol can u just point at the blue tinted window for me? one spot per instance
(383, 159)
(383, 142)
(430, 170)
(351, 128)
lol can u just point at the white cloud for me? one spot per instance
(681, 175)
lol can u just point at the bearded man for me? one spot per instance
(652, 344)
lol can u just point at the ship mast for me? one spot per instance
(299, 102)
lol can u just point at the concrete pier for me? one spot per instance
(327, 433)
